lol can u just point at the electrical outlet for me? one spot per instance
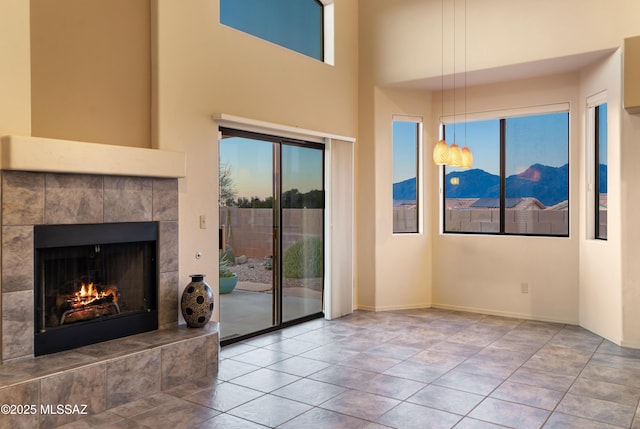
(203, 222)
(524, 287)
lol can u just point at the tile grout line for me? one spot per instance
(373, 332)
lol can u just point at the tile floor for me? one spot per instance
(405, 369)
(242, 311)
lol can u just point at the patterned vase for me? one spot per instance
(197, 302)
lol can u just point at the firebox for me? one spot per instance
(93, 283)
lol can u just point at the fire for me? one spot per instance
(89, 294)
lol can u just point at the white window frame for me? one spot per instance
(507, 113)
(592, 188)
(419, 170)
(328, 31)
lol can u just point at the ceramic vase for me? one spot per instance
(197, 302)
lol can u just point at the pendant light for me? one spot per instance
(466, 158)
(443, 154)
(441, 150)
(455, 156)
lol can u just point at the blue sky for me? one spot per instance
(540, 139)
(295, 24)
(483, 138)
(404, 150)
(301, 168)
(603, 134)
(251, 163)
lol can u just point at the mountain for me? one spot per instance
(549, 185)
(474, 183)
(405, 190)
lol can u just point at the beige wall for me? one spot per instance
(402, 261)
(15, 74)
(91, 71)
(499, 33)
(401, 45)
(204, 68)
(601, 261)
(485, 273)
(630, 227)
(365, 156)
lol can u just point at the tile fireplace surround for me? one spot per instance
(121, 370)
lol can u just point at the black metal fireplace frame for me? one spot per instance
(67, 337)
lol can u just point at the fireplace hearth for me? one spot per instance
(93, 283)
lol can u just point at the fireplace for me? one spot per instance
(93, 283)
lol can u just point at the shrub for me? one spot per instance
(229, 255)
(303, 259)
(224, 263)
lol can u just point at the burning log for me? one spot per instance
(90, 294)
(90, 303)
(89, 312)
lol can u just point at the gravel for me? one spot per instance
(254, 271)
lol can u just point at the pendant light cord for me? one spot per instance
(454, 71)
(442, 73)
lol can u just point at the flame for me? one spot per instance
(89, 293)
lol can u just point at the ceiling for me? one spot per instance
(540, 68)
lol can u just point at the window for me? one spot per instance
(295, 24)
(472, 196)
(406, 155)
(519, 184)
(600, 173)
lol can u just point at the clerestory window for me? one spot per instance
(299, 25)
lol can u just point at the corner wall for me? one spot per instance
(630, 213)
(402, 261)
(483, 273)
(601, 260)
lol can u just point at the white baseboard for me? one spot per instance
(468, 310)
(364, 308)
(630, 344)
(504, 314)
(393, 307)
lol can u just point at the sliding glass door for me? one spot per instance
(247, 240)
(271, 229)
(302, 231)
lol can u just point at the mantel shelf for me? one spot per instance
(65, 156)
